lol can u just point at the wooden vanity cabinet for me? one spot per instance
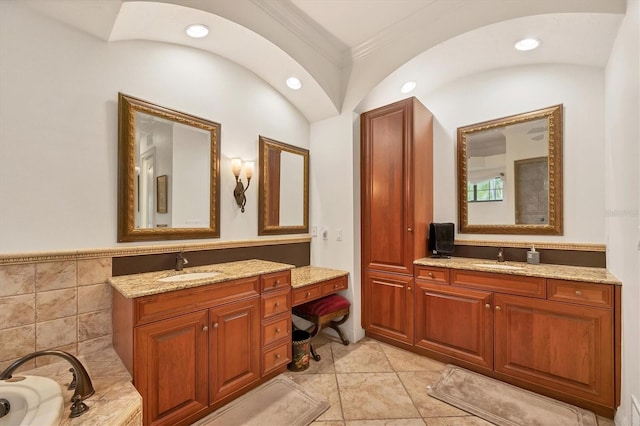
(191, 351)
(397, 207)
(556, 337)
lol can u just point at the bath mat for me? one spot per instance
(280, 401)
(504, 404)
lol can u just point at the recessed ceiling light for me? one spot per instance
(197, 30)
(527, 44)
(294, 83)
(408, 86)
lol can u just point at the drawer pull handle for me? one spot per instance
(277, 356)
(308, 293)
(578, 293)
(430, 274)
(277, 330)
(409, 229)
(277, 304)
(335, 286)
(498, 308)
(205, 328)
(487, 306)
(215, 325)
(276, 283)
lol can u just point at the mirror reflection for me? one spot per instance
(168, 173)
(510, 174)
(284, 188)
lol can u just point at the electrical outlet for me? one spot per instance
(314, 231)
(325, 233)
(338, 234)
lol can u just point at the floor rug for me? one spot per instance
(280, 401)
(503, 404)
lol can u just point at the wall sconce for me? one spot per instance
(238, 193)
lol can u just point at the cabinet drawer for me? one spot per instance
(166, 305)
(276, 357)
(276, 330)
(500, 283)
(334, 285)
(306, 294)
(275, 281)
(580, 292)
(274, 304)
(436, 275)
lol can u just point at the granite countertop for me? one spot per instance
(137, 285)
(307, 275)
(562, 272)
(115, 401)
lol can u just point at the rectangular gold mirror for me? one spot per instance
(168, 173)
(284, 188)
(510, 174)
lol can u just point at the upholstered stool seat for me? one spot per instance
(322, 313)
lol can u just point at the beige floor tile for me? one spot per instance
(387, 422)
(322, 385)
(416, 384)
(359, 358)
(371, 396)
(402, 360)
(457, 421)
(331, 423)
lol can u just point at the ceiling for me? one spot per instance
(355, 54)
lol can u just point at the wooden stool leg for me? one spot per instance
(336, 326)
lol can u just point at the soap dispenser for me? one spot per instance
(533, 256)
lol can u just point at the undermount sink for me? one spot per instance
(33, 400)
(189, 276)
(496, 266)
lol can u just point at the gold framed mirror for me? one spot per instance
(168, 173)
(283, 189)
(510, 174)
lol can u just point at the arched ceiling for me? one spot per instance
(345, 50)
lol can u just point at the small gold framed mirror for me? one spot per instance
(168, 173)
(510, 174)
(284, 188)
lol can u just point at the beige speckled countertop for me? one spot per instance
(137, 285)
(563, 272)
(115, 402)
(307, 275)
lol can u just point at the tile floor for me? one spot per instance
(371, 383)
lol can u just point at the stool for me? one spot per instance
(322, 313)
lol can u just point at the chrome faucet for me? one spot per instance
(181, 261)
(500, 254)
(81, 381)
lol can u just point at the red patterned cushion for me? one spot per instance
(324, 306)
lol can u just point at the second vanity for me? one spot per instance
(194, 344)
(552, 329)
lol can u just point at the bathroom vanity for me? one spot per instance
(193, 345)
(552, 329)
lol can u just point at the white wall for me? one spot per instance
(58, 127)
(622, 178)
(504, 92)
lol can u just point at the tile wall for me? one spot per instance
(62, 305)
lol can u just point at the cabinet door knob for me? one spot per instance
(409, 288)
(277, 304)
(487, 306)
(205, 328)
(277, 282)
(215, 325)
(578, 293)
(277, 330)
(335, 286)
(498, 308)
(308, 293)
(409, 229)
(277, 356)
(430, 274)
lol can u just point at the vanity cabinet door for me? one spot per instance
(455, 321)
(171, 370)
(564, 347)
(234, 347)
(388, 305)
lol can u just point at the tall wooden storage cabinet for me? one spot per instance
(397, 207)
